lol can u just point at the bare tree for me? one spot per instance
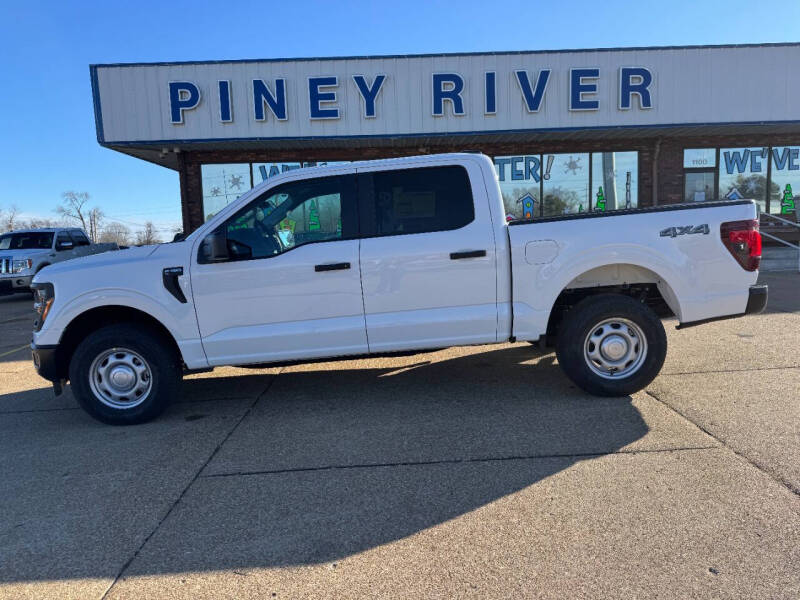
(9, 219)
(37, 222)
(148, 235)
(116, 233)
(74, 207)
(95, 222)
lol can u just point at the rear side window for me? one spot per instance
(415, 200)
(79, 238)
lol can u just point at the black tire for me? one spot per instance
(163, 373)
(584, 319)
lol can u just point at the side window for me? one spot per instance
(415, 200)
(294, 214)
(63, 238)
(79, 238)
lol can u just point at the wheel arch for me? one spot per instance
(626, 278)
(95, 318)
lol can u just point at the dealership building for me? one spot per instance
(568, 131)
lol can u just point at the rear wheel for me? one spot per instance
(611, 345)
(124, 374)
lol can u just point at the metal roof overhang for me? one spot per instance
(165, 153)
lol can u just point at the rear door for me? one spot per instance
(290, 288)
(65, 246)
(82, 244)
(428, 263)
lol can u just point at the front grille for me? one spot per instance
(5, 265)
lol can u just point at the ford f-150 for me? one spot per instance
(25, 252)
(390, 256)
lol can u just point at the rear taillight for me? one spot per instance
(743, 241)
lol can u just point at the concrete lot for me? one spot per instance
(477, 472)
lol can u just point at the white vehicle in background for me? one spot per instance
(25, 252)
(390, 256)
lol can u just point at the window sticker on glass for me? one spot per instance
(414, 205)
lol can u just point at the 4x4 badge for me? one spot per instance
(689, 229)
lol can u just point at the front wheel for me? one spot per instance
(611, 345)
(123, 375)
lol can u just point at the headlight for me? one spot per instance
(44, 295)
(18, 266)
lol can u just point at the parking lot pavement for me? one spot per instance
(475, 472)
(16, 322)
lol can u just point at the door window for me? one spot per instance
(698, 186)
(79, 238)
(415, 200)
(291, 215)
(63, 241)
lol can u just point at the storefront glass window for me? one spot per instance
(698, 186)
(222, 184)
(615, 181)
(519, 178)
(743, 174)
(565, 183)
(784, 190)
(699, 158)
(263, 171)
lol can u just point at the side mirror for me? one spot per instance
(214, 247)
(64, 245)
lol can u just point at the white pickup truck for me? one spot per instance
(25, 252)
(390, 256)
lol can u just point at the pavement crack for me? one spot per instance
(450, 461)
(189, 485)
(763, 468)
(37, 410)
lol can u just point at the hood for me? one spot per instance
(20, 254)
(106, 259)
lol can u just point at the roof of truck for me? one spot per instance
(44, 230)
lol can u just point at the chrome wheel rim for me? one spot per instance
(615, 348)
(120, 378)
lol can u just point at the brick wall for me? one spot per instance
(669, 167)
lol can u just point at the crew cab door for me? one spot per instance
(64, 246)
(285, 284)
(82, 245)
(427, 257)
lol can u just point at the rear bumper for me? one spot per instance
(756, 303)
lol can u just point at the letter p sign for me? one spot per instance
(183, 95)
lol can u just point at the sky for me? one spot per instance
(48, 141)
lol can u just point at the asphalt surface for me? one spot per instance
(470, 472)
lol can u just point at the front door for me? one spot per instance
(428, 263)
(289, 287)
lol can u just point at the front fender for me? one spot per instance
(179, 320)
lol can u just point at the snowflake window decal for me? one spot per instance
(573, 164)
(236, 182)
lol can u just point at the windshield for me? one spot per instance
(36, 240)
